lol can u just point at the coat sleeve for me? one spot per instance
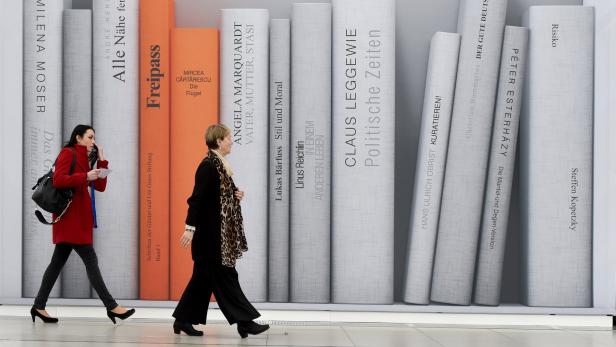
(101, 183)
(61, 179)
(206, 183)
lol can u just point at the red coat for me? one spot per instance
(76, 224)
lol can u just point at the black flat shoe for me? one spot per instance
(112, 315)
(35, 313)
(187, 328)
(252, 328)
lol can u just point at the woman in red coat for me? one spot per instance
(74, 229)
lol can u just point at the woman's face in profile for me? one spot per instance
(87, 140)
(224, 146)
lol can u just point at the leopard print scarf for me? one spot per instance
(232, 238)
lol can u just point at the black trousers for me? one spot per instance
(59, 258)
(223, 282)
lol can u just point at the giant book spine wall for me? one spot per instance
(604, 150)
(556, 158)
(116, 121)
(430, 169)
(244, 99)
(156, 19)
(11, 147)
(500, 168)
(311, 152)
(42, 127)
(279, 148)
(77, 109)
(482, 26)
(363, 137)
(194, 107)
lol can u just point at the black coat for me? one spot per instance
(204, 213)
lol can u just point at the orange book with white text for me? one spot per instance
(194, 107)
(156, 19)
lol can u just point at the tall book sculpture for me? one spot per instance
(116, 120)
(279, 149)
(556, 157)
(500, 169)
(194, 107)
(310, 152)
(156, 19)
(244, 99)
(363, 139)
(77, 109)
(11, 148)
(42, 125)
(604, 150)
(482, 26)
(430, 169)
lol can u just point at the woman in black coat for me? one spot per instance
(214, 228)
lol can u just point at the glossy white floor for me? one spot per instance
(87, 326)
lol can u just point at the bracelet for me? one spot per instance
(189, 228)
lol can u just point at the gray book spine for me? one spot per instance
(556, 157)
(310, 152)
(11, 148)
(604, 152)
(116, 121)
(42, 128)
(279, 145)
(244, 98)
(482, 26)
(500, 169)
(77, 109)
(461, 15)
(363, 137)
(430, 168)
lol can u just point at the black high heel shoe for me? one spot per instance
(35, 313)
(187, 328)
(112, 315)
(250, 327)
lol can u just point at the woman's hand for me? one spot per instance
(101, 156)
(92, 175)
(187, 237)
(239, 195)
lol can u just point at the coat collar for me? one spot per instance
(82, 157)
(81, 149)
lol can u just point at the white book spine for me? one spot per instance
(311, 152)
(77, 109)
(556, 157)
(42, 128)
(482, 24)
(11, 148)
(116, 122)
(430, 168)
(611, 288)
(279, 145)
(363, 156)
(244, 35)
(500, 169)
(604, 165)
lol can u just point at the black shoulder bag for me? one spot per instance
(50, 198)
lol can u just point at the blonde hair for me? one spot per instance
(214, 133)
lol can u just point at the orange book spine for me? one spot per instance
(155, 24)
(194, 107)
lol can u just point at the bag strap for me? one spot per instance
(70, 171)
(42, 219)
